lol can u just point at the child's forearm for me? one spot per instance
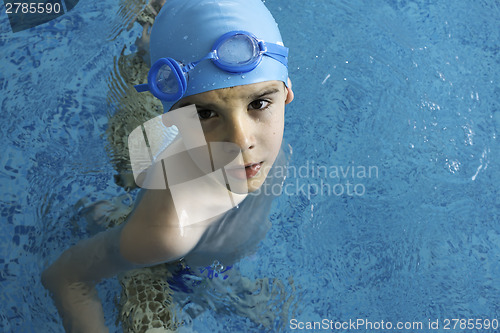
(71, 279)
(77, 303)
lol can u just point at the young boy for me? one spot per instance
(221, 65)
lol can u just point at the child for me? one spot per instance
(238, 99)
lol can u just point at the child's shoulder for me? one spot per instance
(154, 234)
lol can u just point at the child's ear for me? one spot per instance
(289, 92)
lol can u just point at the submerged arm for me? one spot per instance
(73, 276)
(150, 236)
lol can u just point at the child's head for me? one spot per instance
(250, 116)
(238, 101)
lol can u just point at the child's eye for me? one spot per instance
(205, 114)
(258, 104)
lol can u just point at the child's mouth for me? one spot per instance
(252, 169)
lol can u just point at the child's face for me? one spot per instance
(250, 116)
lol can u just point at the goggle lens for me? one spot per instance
(166, 80)
(238, 50)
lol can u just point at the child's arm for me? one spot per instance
(72, 278)
(150, 236)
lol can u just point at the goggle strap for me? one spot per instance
(279, 58)
(277, 52)
(277, 49)
(212, 55)
(142, 87)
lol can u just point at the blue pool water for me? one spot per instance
(405, 93)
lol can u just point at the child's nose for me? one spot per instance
(241, 131)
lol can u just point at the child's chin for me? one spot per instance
(256, 182)
(253, 188)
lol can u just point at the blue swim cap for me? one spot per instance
(186, 30)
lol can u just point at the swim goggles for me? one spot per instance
(233, 52)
